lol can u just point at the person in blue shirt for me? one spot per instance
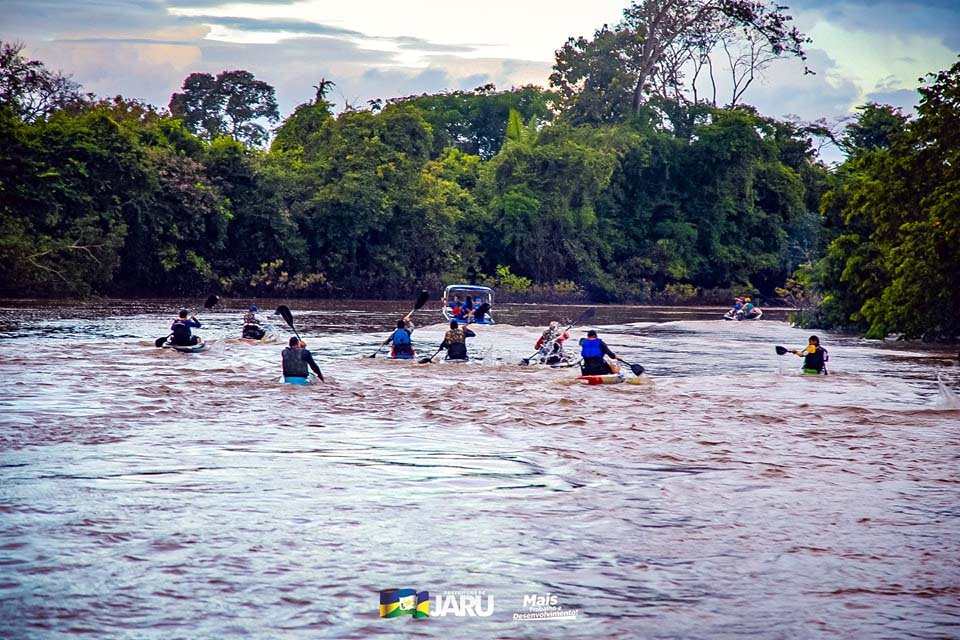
(180, 333)
(456, 305)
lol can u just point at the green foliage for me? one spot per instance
(473, 121)
(894, 264)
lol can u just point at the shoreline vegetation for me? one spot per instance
(611, 187)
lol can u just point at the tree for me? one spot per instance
(64, 183)
(474, 122)
(29, 89)
(657, 36)
(894, 266)
(229, 104)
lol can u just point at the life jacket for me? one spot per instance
(181, 332)
(816, 359)
(456, 344)
(455, 308)
(251, 318)
(294, 364)
(590, 348)
(401, 343)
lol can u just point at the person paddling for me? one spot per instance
(180, 333)
(550, 343)
(593, 350)
(400, 339)
(455, 341)
(814, 356)
(296, 359)
(251, 325)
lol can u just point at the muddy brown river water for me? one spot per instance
(150, 494)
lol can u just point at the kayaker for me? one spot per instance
(737, 305)
(296, 359)
(251, 325)
(592, 350)
(400, 338)
(749, 309)
(814, 356)
(180, 330)
(553, 337)
(455, 341)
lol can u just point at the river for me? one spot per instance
(150, 494)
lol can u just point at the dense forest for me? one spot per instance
(618, 184)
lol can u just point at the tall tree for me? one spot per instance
(230, 104)
(31, 90)
(663, 35)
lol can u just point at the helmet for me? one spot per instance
(253, 307)
(746, 299)
(554, 325)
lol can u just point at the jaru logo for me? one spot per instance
(462, 606)
(533, 600)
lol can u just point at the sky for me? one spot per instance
(862, 49)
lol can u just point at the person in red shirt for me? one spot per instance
(550, 343)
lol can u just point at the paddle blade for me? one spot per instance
(425, 360)
(422, 300)
(284, 312)
(637, 369)
(781, 351)
(159, 341)
(211, 301)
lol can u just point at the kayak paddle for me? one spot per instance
(210, 302)
(284, 312)
(586, 315)
(421, 300)
(636, 368)
(430, 359)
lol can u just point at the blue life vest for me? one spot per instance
(590, 348)
(401, 337)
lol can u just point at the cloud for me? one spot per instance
(906, 99)
(863, 49)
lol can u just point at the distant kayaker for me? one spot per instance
(400, 339)
(749, 309)
(296, 359)
(455, 341)
(251, 325)
(180, 330)
(552, 338)
(593, 350)
(814, 356)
